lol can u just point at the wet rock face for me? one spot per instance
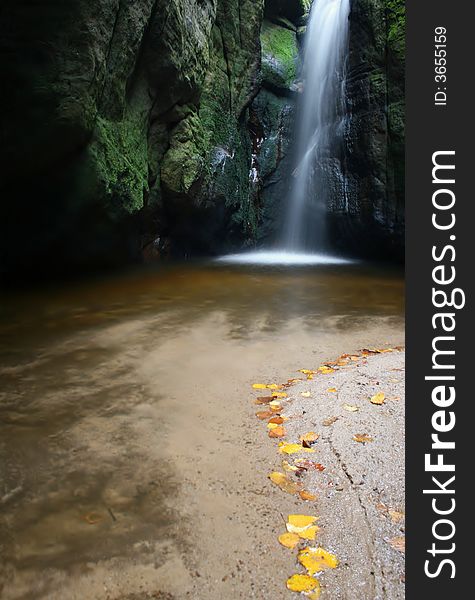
(368, 218)
(127, 120)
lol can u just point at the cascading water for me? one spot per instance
(321, 113)
(321, 110)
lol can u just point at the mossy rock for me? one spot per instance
(279, 56)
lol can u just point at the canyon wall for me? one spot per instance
(154, 128)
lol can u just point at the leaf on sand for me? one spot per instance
(396, 516)
(289, 540)
(329, 421)
(288, 467)
(307, 371)
(302, 583)
(331, 390)
(264, 414)
(282, 481)
(263, 399)
(304, 495)
(287, 448)
(277, 432)
(305, 394)
(304, 463)
(326, 370)
(297, 523)
(378, 398)
(277, 420)
(398, 543)
(266, 386)
(275, 406)
(317, 559)
(279, 395)
(362, 438)
(309, 437)
(351, 407)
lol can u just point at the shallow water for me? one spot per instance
(116, 400)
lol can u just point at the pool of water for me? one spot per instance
(125, 416)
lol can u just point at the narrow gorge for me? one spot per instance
(156, 129)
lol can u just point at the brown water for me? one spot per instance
(131, 464)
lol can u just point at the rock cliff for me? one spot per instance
(164, 127)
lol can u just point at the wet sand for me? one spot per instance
(132, 463)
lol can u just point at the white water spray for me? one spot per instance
(321, 110)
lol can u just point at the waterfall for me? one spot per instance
(320, 113)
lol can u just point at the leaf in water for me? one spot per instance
(304, 495)
(329, 421)
(302, 583)
(398, 543)
(287, 448)
(316, 560)
(332, 390)
(378, 398)
(264, 414)
(306, 394)
(277, 432)
(311, 437)
(92, 518)
(351, 407)
(263, 399)
(289, 540)
(362, 438)
(285, 484)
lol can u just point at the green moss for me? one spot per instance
(396, 15)
(183, 164)
(119, 154)
(279, 55)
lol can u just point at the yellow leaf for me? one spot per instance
(305, 394)
(315, 594)
(310, 376)
(287, 448)
(307, 371)
(325, 370)
(259, 386)
(309, 437)
(302, 583)
(273, 386)
(277, 432)
(274, 405)
(316, 560)
(329, 421)
(304, 495)
(289, 540)
(378, 398)
(266, 386)
(350, 407)
(362, 438)
(332, 390)
(300, 521)
(279, 395)
(285, 484)
(309, 533)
